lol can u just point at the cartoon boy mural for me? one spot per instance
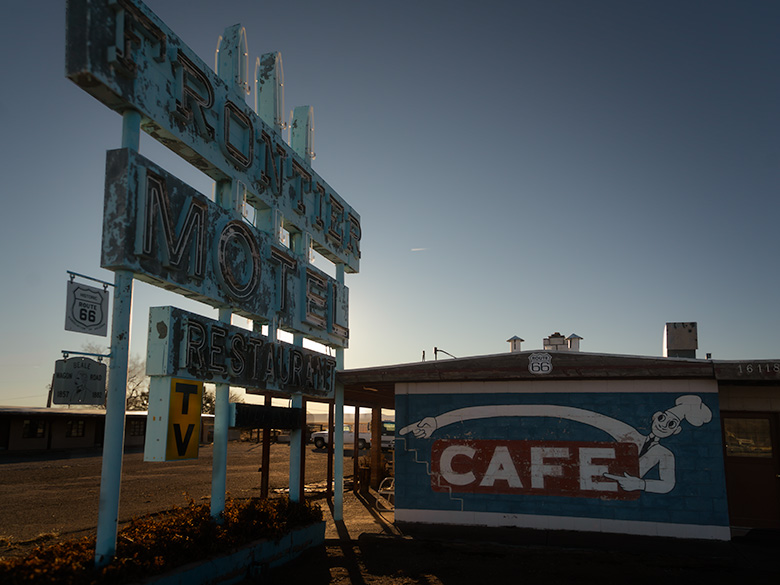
(664, 424)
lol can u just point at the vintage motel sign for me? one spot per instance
(171, 235)
(125, 56)
(173, 422)
(79, 380)
(122, 54)
(86, 309)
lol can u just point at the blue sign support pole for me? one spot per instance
(231, 66)
(229, 196)
(113, 442)
(296, 437)
(338, 428)
(300, 245)
(221, 425)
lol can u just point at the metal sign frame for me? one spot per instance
(121, 53)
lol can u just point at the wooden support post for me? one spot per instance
(295, 454)
(355, 450)
(304, 433)
(265, 457)
(329, 489)
(376, 446)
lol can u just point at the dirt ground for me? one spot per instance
(60, 497)
(54, 499)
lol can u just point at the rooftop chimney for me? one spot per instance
(681, 340)
(556, 341)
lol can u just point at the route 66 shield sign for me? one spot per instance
(540, 363)
(87, 309)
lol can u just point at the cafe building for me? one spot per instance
(561, 439)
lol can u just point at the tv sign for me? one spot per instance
(180, 437)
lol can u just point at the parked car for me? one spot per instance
(321, 439)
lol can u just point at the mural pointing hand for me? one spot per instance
(422, 429)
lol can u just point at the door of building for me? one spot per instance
(752, 460)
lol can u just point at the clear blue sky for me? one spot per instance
(520, 168)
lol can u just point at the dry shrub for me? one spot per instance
(153, 545)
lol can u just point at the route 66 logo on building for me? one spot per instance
(86, 309)
(540, 363)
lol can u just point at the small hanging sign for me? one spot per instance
(79, 380)
(86, 309)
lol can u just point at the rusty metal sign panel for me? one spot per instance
(86, 309)
(120, 52)
(185, 345)
(79, 380)
(172, 236)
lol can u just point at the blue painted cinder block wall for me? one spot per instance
(634, 457)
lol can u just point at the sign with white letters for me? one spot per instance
(86, 309)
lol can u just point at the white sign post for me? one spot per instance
(86, 309)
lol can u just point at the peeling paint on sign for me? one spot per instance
(185, 345)
(172, 236)
(125, 56)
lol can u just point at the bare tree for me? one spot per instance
(137, 384)
(210, 399)
(137, 380)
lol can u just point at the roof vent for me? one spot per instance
(514, 344)
(573, 341)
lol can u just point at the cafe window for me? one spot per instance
(33, 428)
(74, 428)
(748, 437)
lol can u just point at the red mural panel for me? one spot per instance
(550, 468)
